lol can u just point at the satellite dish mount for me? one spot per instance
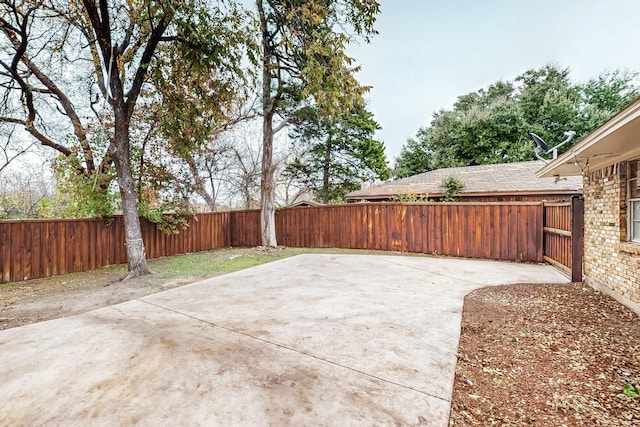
(543, 148)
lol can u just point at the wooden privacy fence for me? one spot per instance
(564, 235)
(30, 249)
(500, 231)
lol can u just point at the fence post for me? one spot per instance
(542, 233)
(577, 237)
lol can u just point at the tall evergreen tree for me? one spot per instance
(341, 153)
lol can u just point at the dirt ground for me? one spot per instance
(547, 355)
(45, 299)
(543, 355)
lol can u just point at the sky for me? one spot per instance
(429, 52)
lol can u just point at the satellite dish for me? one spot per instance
(543, 148)
(539, 142)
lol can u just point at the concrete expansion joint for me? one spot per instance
(285, 347)
(426, 270)
(116, 308)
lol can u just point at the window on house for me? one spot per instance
(633, 199)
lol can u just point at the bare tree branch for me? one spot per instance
(19, 40)
(9, 157)
(39, 136)
(286, 121)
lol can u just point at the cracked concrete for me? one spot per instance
(313, 340)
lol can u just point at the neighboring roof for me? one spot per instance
(500, 179)
(617, 140)
(304, 203)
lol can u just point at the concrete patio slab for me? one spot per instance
(311, 340)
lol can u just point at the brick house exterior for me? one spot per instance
(609, 260)
(608, 161)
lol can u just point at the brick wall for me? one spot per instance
(609, 260)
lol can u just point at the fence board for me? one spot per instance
(16, 252)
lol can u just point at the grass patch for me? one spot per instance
(211, 263)
(207, 264)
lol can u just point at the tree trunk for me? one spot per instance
(246, 192)
(199, 186)
(136, 254)
(208, 198)
(210, 201)
(267, 185)
(326, 169)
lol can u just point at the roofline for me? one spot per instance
(612, 125)
(474, 194)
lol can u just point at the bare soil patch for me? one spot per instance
(44, 299)
(547, 355)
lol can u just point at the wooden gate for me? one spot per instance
(563, 235)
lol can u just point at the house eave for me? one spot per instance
(613, 142)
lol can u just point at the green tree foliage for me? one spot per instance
(451, 186)
(492, 124)
(415, 155)
(341, 153)
(77, 195)
(304, 62)
(199, 81)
